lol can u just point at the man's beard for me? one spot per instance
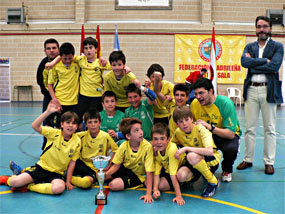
(263, 37)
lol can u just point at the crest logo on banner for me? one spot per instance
(192, 53)
(204, 49)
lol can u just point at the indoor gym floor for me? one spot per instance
(251, 191)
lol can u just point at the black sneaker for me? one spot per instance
(210, 190)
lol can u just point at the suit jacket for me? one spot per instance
(273, 51)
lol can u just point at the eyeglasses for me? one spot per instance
(262, 26)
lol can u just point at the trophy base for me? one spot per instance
(101, 201)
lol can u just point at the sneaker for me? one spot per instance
(210, 190)
(20, 189)
(4, 179)
(16, 169)
(226, 177)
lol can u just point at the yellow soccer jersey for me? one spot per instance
(170, 106)
(58, 152)
(91, 76)
(159, 109)
(45, 78)
(119, 87)
(168, 161)
(65, 82)
(199, 137)
(92, 147)
(221, 113)
(139, 162)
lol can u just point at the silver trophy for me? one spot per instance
(101, 162)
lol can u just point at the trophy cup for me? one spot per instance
(101, 162)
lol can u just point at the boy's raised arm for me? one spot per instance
(37, 124)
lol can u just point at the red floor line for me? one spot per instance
(100, 207)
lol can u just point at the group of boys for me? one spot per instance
(153, 142)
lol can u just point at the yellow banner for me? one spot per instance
(192, 53)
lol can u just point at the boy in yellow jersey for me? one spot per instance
(202, 155)
(181, 93)
(166, 165)
(161, 114)
(117, 80)
(63, 81)
(133, 160)
(94, 142)
(61, 152)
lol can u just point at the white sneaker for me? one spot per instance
(226, 177)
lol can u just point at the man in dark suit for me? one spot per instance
(262, 91)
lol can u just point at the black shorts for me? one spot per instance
(129, 178)
(161, 120)
(41, 175)
(88, 103)
(83, 170)
(196, 173)
(165, 175)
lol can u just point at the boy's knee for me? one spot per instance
(193, 158)
(182, 176)
(58, 188)
(116, 185)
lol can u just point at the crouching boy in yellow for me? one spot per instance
(166, 165)
(61, 150)
(202, 155)
(94, 142)
(132, 161)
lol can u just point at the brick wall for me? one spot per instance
(146, 37)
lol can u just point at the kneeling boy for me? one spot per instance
(202, 154)
(166, 165)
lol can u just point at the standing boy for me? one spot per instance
(61, 151)
(202, 155)
(141, 109)
(110, 117)
(133, 160)
(63, 81)
(156, 83)
(94, 142)
(166, 165)
(117, 80)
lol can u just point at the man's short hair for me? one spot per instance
(116, 56)
(265, 18)
(127, 124)
(66, 48)
(182, 112)
(90, 41)
(69, 116)
(108, 94)
(153, 68)
(204, 69)
(51, 41)
(160, 128)
(91, 114)
(203, 83)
